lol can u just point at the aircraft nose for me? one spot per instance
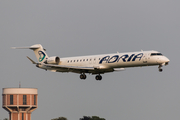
(166, 60)
(163, 60)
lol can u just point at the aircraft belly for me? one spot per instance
(123, 64)
(57, 69)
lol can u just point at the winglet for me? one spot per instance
(31, 60)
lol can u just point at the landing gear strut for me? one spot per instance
(160, 69)
(98, 77)
(83, 76)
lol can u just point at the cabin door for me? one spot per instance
(145, 57)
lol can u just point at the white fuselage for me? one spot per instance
(118, 60)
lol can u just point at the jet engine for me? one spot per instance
(53, 60)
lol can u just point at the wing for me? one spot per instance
(31, 60)
(78, 69)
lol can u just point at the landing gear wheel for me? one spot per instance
(160, 70)
(98, 77)
(83, 76)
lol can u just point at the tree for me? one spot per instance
(60, 118)
(85, 118)
(92, 118)
(97, 118)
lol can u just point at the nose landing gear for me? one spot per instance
(160, 69)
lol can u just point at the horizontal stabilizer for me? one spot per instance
(31, 60)
(31, 47)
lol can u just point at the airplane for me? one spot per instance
(96, 64)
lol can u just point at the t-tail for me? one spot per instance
(39, 52)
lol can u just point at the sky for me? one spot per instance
(68, 28)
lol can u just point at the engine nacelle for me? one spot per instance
(53, 60)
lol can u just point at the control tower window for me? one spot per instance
(11, 99)
(24, 100)
(34, 99)
(22, 116)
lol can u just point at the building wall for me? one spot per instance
(14, 116)
(22, 116)
(14, 99)
(29, 116)
(18, 99)
(4, 100)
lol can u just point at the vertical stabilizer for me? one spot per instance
(39, 52)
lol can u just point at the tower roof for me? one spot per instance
(20, 91)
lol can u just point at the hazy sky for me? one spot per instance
(72, 28)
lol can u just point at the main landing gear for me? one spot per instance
(98, 77)
(83, 76)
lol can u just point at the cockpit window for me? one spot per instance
(159, 54)
(155, 54)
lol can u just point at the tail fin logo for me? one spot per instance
(42, 55)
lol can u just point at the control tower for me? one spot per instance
(19, 102)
